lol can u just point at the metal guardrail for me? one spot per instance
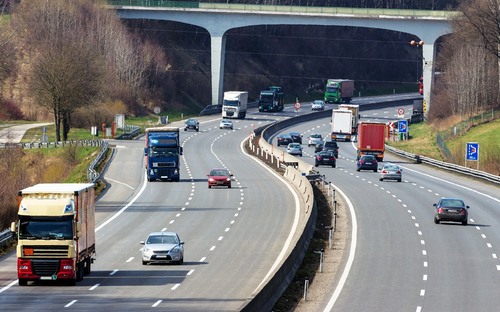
(5, 237)
(92, 174)
(444, 165)
(129, 132)
(53, 144)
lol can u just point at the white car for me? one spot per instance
(318, 105)
(226, 124)
(314, 139)
(163, 247)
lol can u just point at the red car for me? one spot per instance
(219, 177)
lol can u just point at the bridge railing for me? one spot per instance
(285, 8)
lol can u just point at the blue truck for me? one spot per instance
(162, 154)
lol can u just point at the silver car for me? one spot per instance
(163, 247)
(390, 172)
(314, 139)
(226, 124)
(294, 149)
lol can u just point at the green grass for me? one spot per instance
(422, 142)
(35, 134)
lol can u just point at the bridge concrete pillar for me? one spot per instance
(428, 55)
(218, 51)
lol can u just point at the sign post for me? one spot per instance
(472, 153)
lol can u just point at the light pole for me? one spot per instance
(418, 45)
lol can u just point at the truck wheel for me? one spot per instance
(23, 282)
(87, 265)
(79, 271)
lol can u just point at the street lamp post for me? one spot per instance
(420, 82)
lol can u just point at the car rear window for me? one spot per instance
(452, 203)
(331, 144)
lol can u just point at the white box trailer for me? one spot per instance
(341, 125)
(235, 104)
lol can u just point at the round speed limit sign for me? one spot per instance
(401, 111)
(297, 105)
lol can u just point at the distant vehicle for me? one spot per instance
(318, 147)
(318, 105)
(163, 247)
(325, 158)
(235, 104)
(451, 209)
(272, 99)
(192, 124)
(226, 124)
(367, 162)
(314, 139)
(371, 139)
(294, 149)
(296, 137)
(331, 146)
(284, 139)
(339, 91)
(219, 177)
(390, 172)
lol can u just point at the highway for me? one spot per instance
(403, 261)
(235, 237)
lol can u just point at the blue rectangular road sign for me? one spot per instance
(402, 126)
(472, 151)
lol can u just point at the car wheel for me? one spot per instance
(181, 261)
(144, 262)
(209, 186)
(358, 170)
(436, 221)
(374, 170)
(300, 154)
(315, 165)
(464, 222)
(399, 180)
(229, 186)
(381, 179)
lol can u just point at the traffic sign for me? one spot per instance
(401, 111)
(297, 105)
(402, 126)
(472, 151)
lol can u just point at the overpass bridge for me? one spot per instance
(218, 18)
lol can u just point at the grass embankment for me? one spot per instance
(423, 142)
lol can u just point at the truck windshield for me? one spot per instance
(231, 103)
(163, 151)
(266, 97)
(332, 89)
(43, 228)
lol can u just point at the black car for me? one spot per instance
(318, 147)
(296, 137)
(331, 146)
(284, 139)
(192, 124)
(367, 162)
(326, 158)
(451, 209)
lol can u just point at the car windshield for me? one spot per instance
(162, 239)
(318, 102)
(191, 122)
(316, 136)
(452, 203)
(219, 172)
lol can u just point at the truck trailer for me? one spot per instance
(235, 104)
(271, 100)
(55, 231)
(355, 115)
(371, 139)
(341, 125)
(162, 154)
(339, 91)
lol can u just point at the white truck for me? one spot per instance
(235, 104)
(355, 115)
(341, 125)
(55, 232)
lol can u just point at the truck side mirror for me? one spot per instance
(180, 150)
(13, 227)
(145, 151)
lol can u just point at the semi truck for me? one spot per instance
(162, 154)
(355, 115)
(341, 125)
(271, 100)
(55, 232)
(339, 91)
(371, 139)
(235, 104)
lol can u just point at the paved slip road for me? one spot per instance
(15, 133)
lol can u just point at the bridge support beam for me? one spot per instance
(428, 55)
(218, 50)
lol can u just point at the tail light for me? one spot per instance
(398, 172)
(384, 171)
(462, 211)
(361, 161)
(440, 210)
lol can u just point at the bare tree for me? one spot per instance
(7, 52)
